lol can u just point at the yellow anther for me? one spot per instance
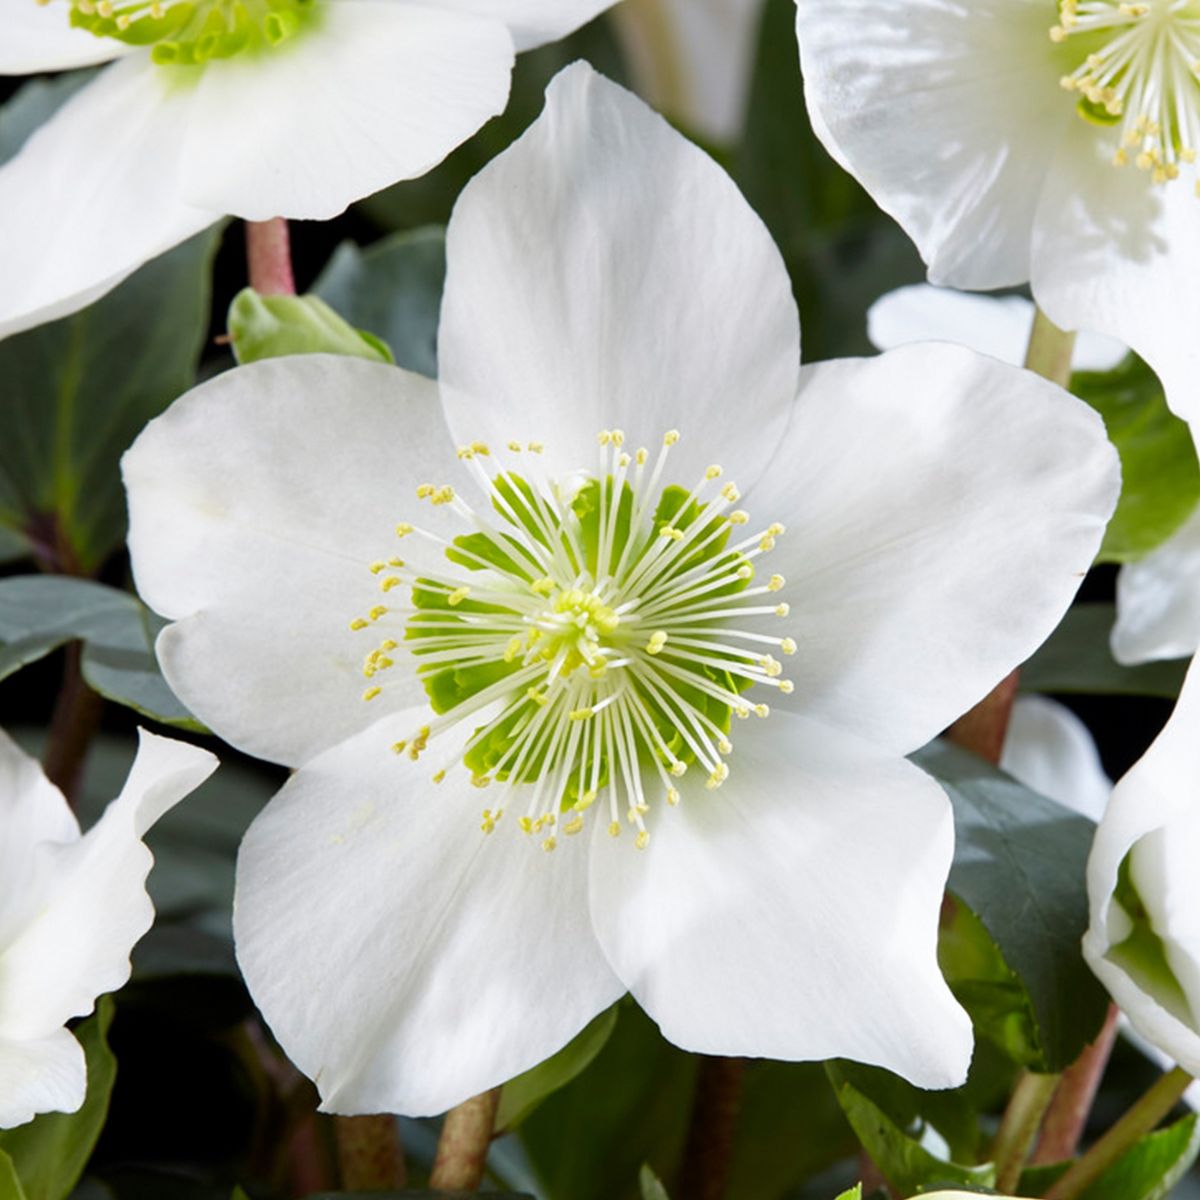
(378, 611)
(371, 693)
(772, 666)
(672, 797)
(1058, 33)
(787, 687)
(642, 840)
(582, 714)
(618, 437)
(443, 495)
(382, 663)
(488, 824)
(730, 492)
(481, 448)
(623, 460)
(741, 711)
(604, 437)
(376, 567)
(419, 743)
(515, 447)
(481, 781)
(640, 456)
(677, 768)
(788, 646)
(670, 437)
(775, 583)
(438, 776)
(713, 472)
(358, 623)
(573, 826)
(550, 843)
(465, 452)
(614, 830)
(399, 747)
(535, 447)
(404, 529)
(762, 710)
(657, 641)
(542, 587)
(425, 490)
(457, 596)
(717, 776)
(738, 517)
(386, 585)
(745, 571)
(782, 610)
(513, 649)
(526, 825)
(775, 529)
(598, 670)
(585, 801)
(388, 645)
(725, 746)
(766, 544)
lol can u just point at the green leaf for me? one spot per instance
(1076, 658)
(524, 1093)
(273, 326)
(10, 1185)
(906, 1164)
(1152, 1167)
(1020, 865)
(51, 1151)
(34, 105)
(651, 1185)
(39, 613)
(78, 391)
(394, 289)
(854, 1193)
(1160, 477)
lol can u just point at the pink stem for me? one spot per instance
(269, 257)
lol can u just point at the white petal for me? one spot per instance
(692, 59)
(92, 903)
(380, 92)
(605, 273)
(1049, 749)
(1154, 817)
(941, 509)
(995, 325)
(257, 503)
(533, 22)
(404, 959)
(793, 913)
(948, 113)
(1158, 600)
(39, 37)
(40, 1075)
(92, 195)
(1112, 253)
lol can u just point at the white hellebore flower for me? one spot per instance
(1043, 140)
(1144, 937)
(72, 906)
(674, 611)
(255, 108)
(693, 60)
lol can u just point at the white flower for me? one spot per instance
(72, 906)
(693, 59)
(265, 108)
(894, 534)
(1144, 937)
(990, 130)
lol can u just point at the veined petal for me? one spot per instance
(1112, 253)
(404, 959)
(38, 1075)
(995, 325)
(1158, 600)
(533, 22)
(39, 37)
(948, 112)
(941, 509)
(380, 92)
(1150, 959)
(1049, 749)
(90, 899)
(743, 928)
(257, 503)
(92, 195)
(604, 273)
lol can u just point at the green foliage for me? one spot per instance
(1151, 1168)
(1160, 478)
(272, 326)
(35, 104)
(651, 1185)
(50, 1152)
(854, 1193)
(1020, 866)
(1076, 658)
(10, 1185)
(394, 289)
(76, 392)
(39, 613)
(524, 1093)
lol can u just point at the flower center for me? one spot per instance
(600, 633)
(192, 32)
(1141, 72)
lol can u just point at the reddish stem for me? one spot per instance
(983, 729)
(463, 1146)
(709, 1153)
(369, 1153)
(269, 257)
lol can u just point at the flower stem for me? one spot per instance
(709, 1152)
(1029, 1101)
(1068, 1111)
(1135, 1124)
(1050, 350)
(463, 1146)
(370, 1156)
(269, 257)
(983, 729)
(77, 713)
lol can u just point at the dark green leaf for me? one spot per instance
(1020, 866)
(41, 612)
(1076, 658)
(427, 1195)
(34, 105)
(651, 1185)
(854, 1193)
(51, 1151)
(10, 1185)
(76, 392)
(273, 326)
(1160, 478)
(1151, 1168)
(524, 1093)
(906, 1164)
(394, 289)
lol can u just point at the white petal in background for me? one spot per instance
(693, 59)
(930, 494)
(1154, 818)
(533, 22)
(793, 913)
(605, 273)
(404, 959)
(66, 932)
(39, 37)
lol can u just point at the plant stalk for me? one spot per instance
(463, 1146)
(370, 1155)
(269, 257)
(1050, 350)
(1019, 1126)
(709, 1153)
